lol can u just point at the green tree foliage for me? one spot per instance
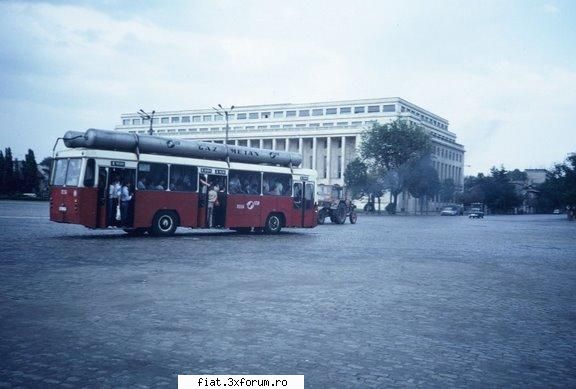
(2, 173)
(356, 176)
(30, 173)
(447, 191)
(391, 147)
(8, 176)
(559, 189)
(422, 181)
(495, 190)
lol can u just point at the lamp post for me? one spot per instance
(149, 117)
(224, 112)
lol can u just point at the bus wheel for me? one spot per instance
(273, 224)
(164, 223)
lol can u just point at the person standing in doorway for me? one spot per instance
(125, 198)
(212, 198)
(113, 196)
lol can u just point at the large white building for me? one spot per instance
(327, 134)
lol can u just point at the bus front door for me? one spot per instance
(107, 207)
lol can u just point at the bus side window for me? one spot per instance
(243, 182)
(277, 184)
(152, 176)
(89, 173)
(183, 178)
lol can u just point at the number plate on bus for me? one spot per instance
(62, 209)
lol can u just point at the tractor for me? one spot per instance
(337, 207)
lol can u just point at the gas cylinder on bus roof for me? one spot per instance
(122, 141)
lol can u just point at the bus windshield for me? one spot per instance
(67, 172)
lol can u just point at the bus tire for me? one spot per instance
(164, 224)
(273, 224)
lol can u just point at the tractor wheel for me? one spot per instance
(340, 214)
(353, 217)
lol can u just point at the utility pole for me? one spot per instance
(225, 113)
(150, 117)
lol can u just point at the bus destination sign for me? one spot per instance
(117, 163)
(209, 170)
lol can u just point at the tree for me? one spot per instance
(447, 190)
(356, 176)
(422, 181)
(2, 173)
(8, 176)
(30, 173)
(391, 146)
(495, 190)
(559, 189)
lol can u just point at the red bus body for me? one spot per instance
(84, 199)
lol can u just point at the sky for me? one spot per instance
(502, 72)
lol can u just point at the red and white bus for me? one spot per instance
(170, 191)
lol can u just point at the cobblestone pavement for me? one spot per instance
(388, 302)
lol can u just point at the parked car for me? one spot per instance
(452, 210)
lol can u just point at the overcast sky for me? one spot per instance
(502, 72)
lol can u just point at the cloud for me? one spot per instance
(68, 66)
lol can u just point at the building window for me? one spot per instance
(403, 109)
(185, 119)
(331, 111)
(207, 118)
(327, 124)
(275, 126)
(325, 170)
(241, 116)
(126, 122)
(175, 119)
(278, 114)
(265, 115)
(317, 112)
(290, 114)
(196, 118)
(253, 115)
(182, 130)
(164, 120)
(262, 127)
(311, 162)
(304, 112)
(300, 125)
(135, 122)
(287, 126)
(339, 166)
(342, 123)
(314, 125)
(356, 123)
(249, 127)
(359, 109)
(345, 110)
(218, 118)
(373, 108)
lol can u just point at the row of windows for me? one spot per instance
(449, 154)
(424, 118)
(272, 127)
(265, 115)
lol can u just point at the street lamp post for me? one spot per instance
(224, 112)
(149, 117)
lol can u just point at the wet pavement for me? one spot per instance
(390, 301)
